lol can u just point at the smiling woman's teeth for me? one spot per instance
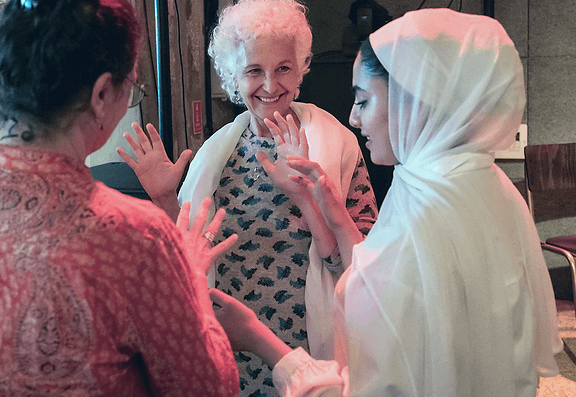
(269, 99)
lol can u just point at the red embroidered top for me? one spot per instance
(95, 294)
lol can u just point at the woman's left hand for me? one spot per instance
(198, 241)
(290, 141)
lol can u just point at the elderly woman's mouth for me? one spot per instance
(268, 100)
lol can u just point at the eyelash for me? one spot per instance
(282, 69)
(361, 104)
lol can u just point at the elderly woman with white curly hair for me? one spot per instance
(262, 50)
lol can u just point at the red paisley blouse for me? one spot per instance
(96, 297)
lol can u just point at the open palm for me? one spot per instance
(290, 141)
(157, 174)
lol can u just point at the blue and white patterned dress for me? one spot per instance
(266, 268)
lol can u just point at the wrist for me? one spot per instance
(169, 203)
(266, 345)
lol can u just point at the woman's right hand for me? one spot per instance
(239, 322)
(322, 189)
(245, 331)
(157, 174)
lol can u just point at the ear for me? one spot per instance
(102, 93)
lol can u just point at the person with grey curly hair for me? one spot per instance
(237, 27)
(287, 260)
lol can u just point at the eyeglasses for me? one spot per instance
(138, 93)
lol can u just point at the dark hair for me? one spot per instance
(370, 61)
(53, 51)
(380, 15)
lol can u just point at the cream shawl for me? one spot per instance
(331, 145)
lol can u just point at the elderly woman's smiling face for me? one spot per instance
(269, 80)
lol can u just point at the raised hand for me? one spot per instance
(157, 174)
(325, 193)
(290, 141)
(199, 241)
(330, 204)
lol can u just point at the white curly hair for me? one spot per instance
(248, 20)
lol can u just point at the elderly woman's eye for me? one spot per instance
(284, 68)
(252, 72)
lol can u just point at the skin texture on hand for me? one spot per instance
(330, 204)
(291, 141)
(245, 331)
(202, 249)
(157, 174)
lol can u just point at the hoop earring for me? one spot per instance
(27, 136)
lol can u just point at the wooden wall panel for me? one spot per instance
(186, 33)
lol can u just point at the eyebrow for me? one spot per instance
(355, 89)
(252, 65)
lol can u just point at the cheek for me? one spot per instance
(289, 82)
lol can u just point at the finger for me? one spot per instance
(184, 217)
(143, 140)
(304, 140)
(306, 167)
(294, 132)
(219, 297)
(216, 221)
(265, 162)
(154, 136)
(134, 144)
(126, 157)
(223, 246)
(284, 127)
(184, 158)
(275, 131)
(302, 181)
(201, 215)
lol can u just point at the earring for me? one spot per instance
(27, 136)
(101, 127)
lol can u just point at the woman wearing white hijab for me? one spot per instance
(449, 294)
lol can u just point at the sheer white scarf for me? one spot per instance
(456, 93)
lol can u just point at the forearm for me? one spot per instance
(169, 203)
(268, 346)
(341, 232)
(347, 235)
(323, 236)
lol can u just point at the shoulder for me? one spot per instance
(229, 131)
(119, 213)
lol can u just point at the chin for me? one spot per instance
(376, 158)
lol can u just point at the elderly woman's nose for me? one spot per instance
(269, 82)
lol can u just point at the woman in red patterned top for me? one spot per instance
(98, 295)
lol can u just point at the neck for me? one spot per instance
(70, 144)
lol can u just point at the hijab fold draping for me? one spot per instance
(456, 94)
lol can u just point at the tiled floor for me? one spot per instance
(563, 385)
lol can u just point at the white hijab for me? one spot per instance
(456, 93)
